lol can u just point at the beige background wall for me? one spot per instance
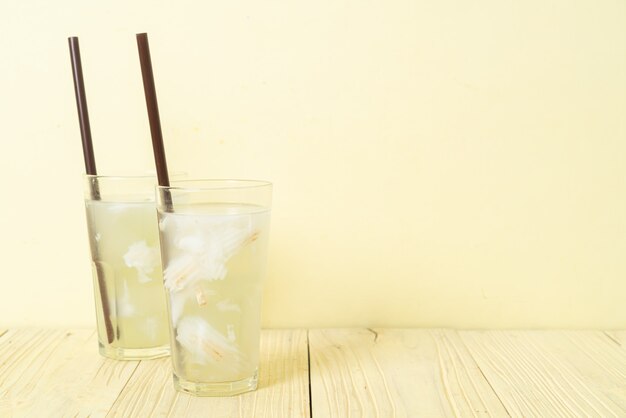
(444, 163)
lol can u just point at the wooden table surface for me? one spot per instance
(332, 373)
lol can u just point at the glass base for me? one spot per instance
(218, 388)
(117, 353)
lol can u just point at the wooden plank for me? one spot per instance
(148, 393)
(57, 373)
(283, 386)
(551, 373)
(396, 372)
(598, 359)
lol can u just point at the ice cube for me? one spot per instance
(194, 244)
(177, 305)
(124, 307)
(205, 345)
(207, 244)
(142, 258)
(180, 272)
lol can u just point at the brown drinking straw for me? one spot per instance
(90, 164)
(153, 115)
(81, 105)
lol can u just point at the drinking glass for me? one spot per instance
(214, 238)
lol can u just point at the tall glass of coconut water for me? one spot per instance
(214, 237)
(131, 309)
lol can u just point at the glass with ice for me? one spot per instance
(131, 310)
(214, 236)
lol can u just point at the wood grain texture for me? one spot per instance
(552, 373)
(57, 373)
(283, 386)
(353, 372)
(618, 337)
(396, 372)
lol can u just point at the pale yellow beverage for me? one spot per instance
(128, 282)
(214, 259)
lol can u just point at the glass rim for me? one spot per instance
(121, 177)
(218, 184)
